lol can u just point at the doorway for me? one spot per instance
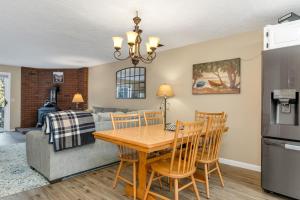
(5, 81)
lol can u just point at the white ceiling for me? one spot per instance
(76, 33)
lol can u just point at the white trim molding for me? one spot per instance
(240, 164)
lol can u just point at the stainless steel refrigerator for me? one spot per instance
(280, 121)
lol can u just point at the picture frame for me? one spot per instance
(58, 77)
(218, 77)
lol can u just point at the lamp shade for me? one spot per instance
(131, 37)
(117, 42)
(77, 98)
(148, 47)
(153, 41)
(165, 90)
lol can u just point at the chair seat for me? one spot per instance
(130, 157)
(205, 159)
(163, 168)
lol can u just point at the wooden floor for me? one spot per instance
(240, 184)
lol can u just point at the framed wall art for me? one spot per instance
(219, 77)
(58, 77)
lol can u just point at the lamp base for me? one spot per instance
(76, 106)
(165, 112)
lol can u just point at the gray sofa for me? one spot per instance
(57, 165)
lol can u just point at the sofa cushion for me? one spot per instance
(124, 110)
(132, 112)
(104, 116)
(109, 110)
(103, 125)
(96, 117)
(97, 109)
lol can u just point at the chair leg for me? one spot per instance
(195, 188)
(219, 173)
(149, 185)
(160, 183)
(118, 174)
(208, 169)
(206, 180)
(176, 192)
(170, 184)
(134, 181)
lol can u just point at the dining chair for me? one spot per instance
(205, 115)
(182, 163)
(153, 118)
(210, 147)
(127, 155)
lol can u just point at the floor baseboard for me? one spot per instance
(240, 164)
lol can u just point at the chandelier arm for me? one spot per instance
(146, 61)
(149, 58)
(117, 55)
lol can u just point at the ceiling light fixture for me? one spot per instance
(134, 41)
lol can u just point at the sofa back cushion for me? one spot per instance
(104, 116)
(97, 109)
(109, 110)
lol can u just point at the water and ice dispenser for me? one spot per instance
(284, 107)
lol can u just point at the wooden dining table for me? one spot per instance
(144, 140)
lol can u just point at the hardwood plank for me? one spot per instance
(240, 184)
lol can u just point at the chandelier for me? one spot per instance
(134, 41)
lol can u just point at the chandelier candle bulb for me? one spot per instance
(131, 37)
(149, 50)
(153, 41)
(117, 42)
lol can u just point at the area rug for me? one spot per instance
(15, 174)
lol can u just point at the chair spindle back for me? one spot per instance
(120, 121)
(213, 137)
(153, 118)
(185, 146)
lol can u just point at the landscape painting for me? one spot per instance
(219, 77)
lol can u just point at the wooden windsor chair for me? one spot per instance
(153, 118)
(127, 155)
(182, 163)
(209, 152)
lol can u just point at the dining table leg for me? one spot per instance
(142, 174)
(142, 179)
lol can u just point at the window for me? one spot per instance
(131, 83)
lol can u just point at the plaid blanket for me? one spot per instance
(69, 129)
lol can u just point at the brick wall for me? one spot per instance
(35, 86)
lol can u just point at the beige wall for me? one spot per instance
(15, 107)
(242, 143)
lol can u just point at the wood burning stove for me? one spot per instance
(50, 105)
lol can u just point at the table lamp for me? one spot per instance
(165, 91)
(77, 99)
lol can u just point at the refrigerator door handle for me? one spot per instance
(292, 147)
(274, 143)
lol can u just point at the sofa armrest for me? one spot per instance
(38, 151)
